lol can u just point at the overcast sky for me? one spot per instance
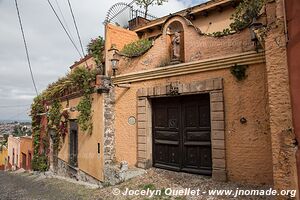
(50, 50)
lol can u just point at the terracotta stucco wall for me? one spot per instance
(197, 47)
(87, 63)
(282, 135)
(119, 37)
(248, 146)
(215, 21)
(26, 148)
(89, 160)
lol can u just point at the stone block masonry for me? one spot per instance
(212, 86)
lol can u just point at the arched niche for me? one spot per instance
(176, 32)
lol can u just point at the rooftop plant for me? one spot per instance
(137, 48)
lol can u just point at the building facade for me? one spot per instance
(249, 122)
(19, 152)
(3, 157)
(200, 97)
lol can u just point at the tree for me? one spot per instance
(146, 3)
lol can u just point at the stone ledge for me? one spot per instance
(246, 58)
(208, 85)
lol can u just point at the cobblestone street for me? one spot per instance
(26, 186)
(32, 187)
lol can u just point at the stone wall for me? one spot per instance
(65, 170)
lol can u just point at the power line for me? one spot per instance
(64, 19)
(64, 27)
(76, 27)
(26, 48)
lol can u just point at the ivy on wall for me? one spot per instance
(79, 80)
(96, 49)
(39, 160)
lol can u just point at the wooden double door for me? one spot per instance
(182, 134)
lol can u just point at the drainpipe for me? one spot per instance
(285, 22)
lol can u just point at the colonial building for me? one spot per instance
(186, 109)
(196, 91)
(3, 157)
(19, 152)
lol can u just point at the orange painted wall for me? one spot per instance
(3, 157)
(89, 160)
(19, 145)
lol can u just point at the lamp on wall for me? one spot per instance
(115, 58)
(254, 26)
(114, 64)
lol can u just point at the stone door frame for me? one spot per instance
(144, 120)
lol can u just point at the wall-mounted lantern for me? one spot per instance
(255, 25)
(115, 59)
(114, 64)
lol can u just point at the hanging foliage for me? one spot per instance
(96, 49)
(239, 71)
(85, 117)
(78, 80)
(39, 160)
(54, 118)
(245, 12)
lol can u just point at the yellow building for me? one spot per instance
(3, 157)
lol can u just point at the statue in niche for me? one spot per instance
(176, 46)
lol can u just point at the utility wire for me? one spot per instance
(64, 19)
(26, 48)
(76, 27)
(64, 27)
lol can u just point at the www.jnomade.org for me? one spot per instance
(197, 192)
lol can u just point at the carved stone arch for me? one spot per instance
(183, 20)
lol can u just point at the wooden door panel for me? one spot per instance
(182, 134)
(166, 136)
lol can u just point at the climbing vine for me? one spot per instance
(78, 80)
(137, 48)
(85, 116)
(243, 16)
(96, 49)
(39, 160)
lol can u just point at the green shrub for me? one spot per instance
(39, 163)
(137, 48)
